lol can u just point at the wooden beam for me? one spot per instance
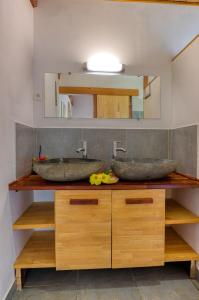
(176, 2)
(187, 46)
(34, 3)
(98, 91)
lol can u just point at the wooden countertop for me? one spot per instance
(35, 182)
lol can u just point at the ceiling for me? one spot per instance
(138, 33)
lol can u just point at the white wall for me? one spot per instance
(185, 85)
(68, 32)
(16, 89)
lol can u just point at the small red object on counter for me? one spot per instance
(42, 157)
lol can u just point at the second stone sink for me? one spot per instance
(143, 169)
(67, 169)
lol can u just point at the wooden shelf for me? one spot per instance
(39, 252)
(35, 182)
(177, 214)
(176, 249)
(39, 215)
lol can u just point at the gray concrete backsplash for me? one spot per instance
(25, 149)
(183, 149)
(179, 144)
(140, 143)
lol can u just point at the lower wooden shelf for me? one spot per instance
(176, 249)
(38, 215)
(39, 252)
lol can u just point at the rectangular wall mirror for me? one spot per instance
(105, 96)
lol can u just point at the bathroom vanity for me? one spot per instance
(124, 225)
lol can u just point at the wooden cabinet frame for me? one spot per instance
(39, 251)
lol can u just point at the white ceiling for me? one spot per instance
(137, 33)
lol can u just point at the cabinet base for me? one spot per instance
(21, 273)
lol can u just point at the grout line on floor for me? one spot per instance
(135, 281)
(195, 283)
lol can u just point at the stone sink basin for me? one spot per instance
(143, 169)
(67, 169)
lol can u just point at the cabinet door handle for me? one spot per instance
(139, 200)
(83, 201)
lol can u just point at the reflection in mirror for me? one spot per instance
(102, 96)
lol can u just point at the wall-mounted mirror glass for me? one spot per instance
(102, 96)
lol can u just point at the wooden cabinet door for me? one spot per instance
(138, 226)
(83, 229)
(113, 107)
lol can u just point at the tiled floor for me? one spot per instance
(168, 283)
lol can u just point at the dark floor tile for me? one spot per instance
(116, 293)
(41, 294)
(51, 277)
(170, 282)
(166, 283)
(107, 285)
(171, 271)
(105, 278)
(169, 290)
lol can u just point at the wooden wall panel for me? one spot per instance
(34, 3)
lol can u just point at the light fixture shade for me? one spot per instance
(104, 62)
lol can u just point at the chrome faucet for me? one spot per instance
(116, 148)
(83, 149)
